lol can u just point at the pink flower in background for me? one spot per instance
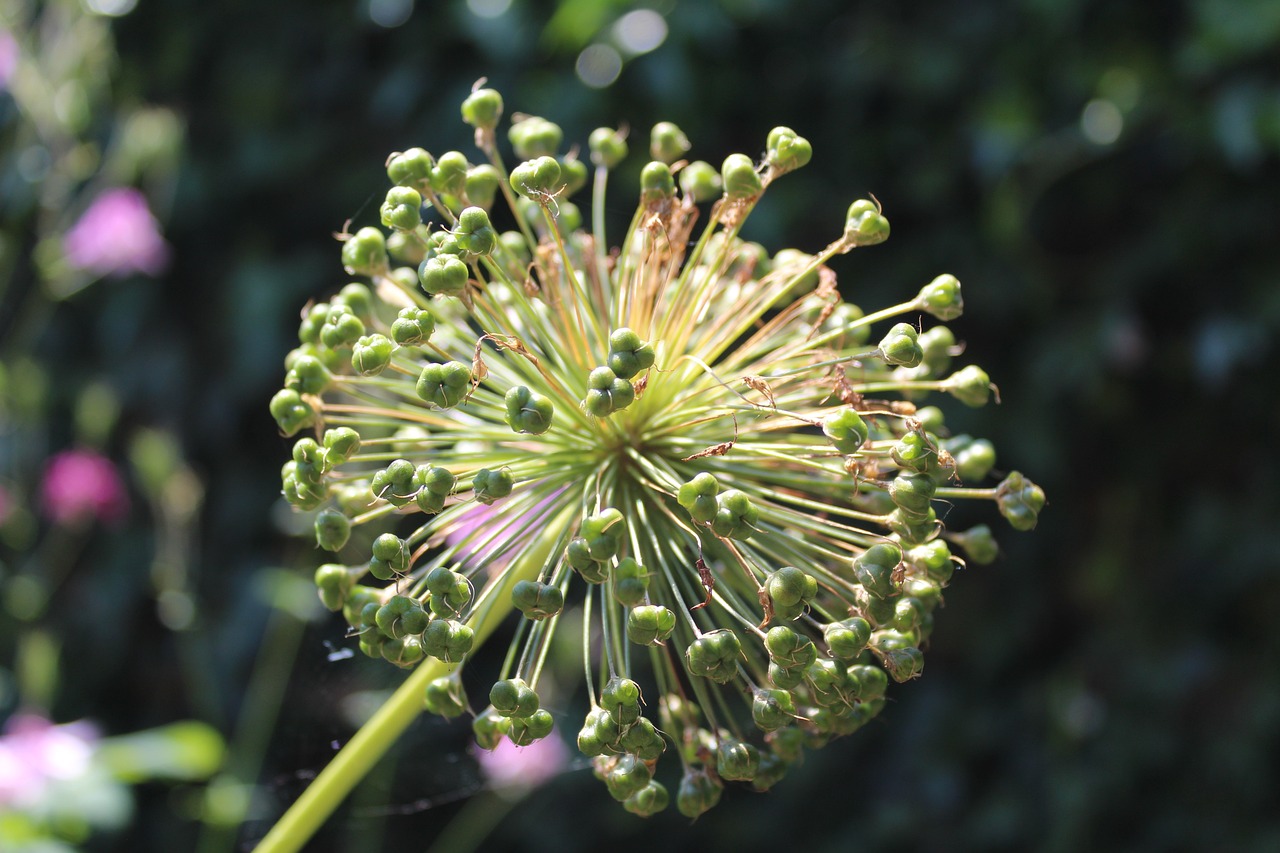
(81, 484)
(515, 769)
(117, 236)
(8, 58)
(35, 752)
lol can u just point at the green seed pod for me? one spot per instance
(537, 601)
(875, 569)
(937, 345)
(446, 696)
(340, 444)
(513, 698)
(736, 517)
(878, 611)
(334, 584)
(620, 698)
(701, 182)
(401, 616)
(443, 275)
(528, 412)
(915, 451)
(698, 793)
(413, 326)
(573, 172)
(608, 147)
(371, 644)
(409, 168)
(449, 175)
(1020, 501)
(308, 460)
(786, 150)
(482, 109)
(450, 592)
(474, 233)
(489, 485)
(902, 346)
(603, 532)
(341, 327)
(404, 651)
(489, 728)
(365, 252)
(648, 801)
(291, 412)
(941, 298)
(650, 624)
(656, 184)
(628, 354)
(434, 485)
(871, 682)
(714, 655)
(864, 225)
(394, 483)
(772, 709)
(578, 554)
(847, 638)
(630, 584)
(912, 529)
(482, 186)
(444, 385)
(642, 740)
(404, 247)
(371, 355)
(667, 142)
(626, 776)
(974, 457)
(568, 215)
(607, 392)
(737, 761)
(912, 492)
(785, 678)
(358, 598)
(358, 299)
(333, 529)
(401, 209)
(934, 558)
(979, 543)
(790, 590)
(309, 328)
(590, 740)
(527, 730)
(537, 179)
(698, 496)
(908, 614)
(846, 430)
(970, 385)
(447, 640)
(308, 375)
(771, 772)
(393, 550)
(741, 181)
(904, 664)
(534, 136)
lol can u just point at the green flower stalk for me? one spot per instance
(702, 450)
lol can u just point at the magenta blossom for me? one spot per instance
(514, 770)
(34, 753)
(117, 236)
(80, 485)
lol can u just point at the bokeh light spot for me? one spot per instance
(488, 8)
(390, 13)
(1101, 122)
(599, 65)
(640, 31)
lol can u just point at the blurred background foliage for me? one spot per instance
(1103, 177)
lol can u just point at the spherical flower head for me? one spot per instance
(688, 442)
(80, 486)
(117, 236)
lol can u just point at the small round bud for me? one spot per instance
(864, 225)
(741, 181)
(513, 698)
(875, 568)
(698, 496)
(334, 584)
(630, 583)
(736, 516)
(650, 624)
(474, 233)
(974, 457)
(772, 709)
(401, 209)
(941, 298)
(489, 485)
(308, 375)
(979, 543)
(490, 727)
(915, 451)
(578, 555)
(443, 275)
(413, 326)
(786, 150)
(527, 730)
(449, 175)
(648, 801)
(401, 616)
(365, 252)
(340, 444)
(333, 529)
(737, 761)
(656, 183)
(608, 147)
(537, 601)
(912, 492)
(901, 346)
(667, 142)
(444, 385)
(698, 793)
(371, 354)
(904, 664)
(970, 385)
(1020, 501)
(934, 558)
(790, 590)
(447, 640)
(528, 412)
(341, 328)
(700, 181)
(291, 412)
(482, 109)
(394, 483)
(482, 185)
(573, 172)
(714, 655)
(643, 741)
(450, 592)
(358, 299)
(620, 698)
(846, 430)
(393, 550)
(409, 168)
(626, 775)
(789, 649)
(402, 651)
(847, 638)
(534, 136)
(536, 179)
(445, 696)
(628, 354)
(607, 392)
